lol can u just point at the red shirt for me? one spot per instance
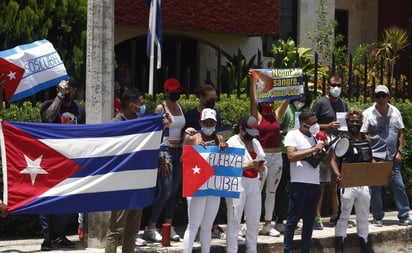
(269, 130)
(251, 173)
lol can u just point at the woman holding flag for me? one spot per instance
(202, 210)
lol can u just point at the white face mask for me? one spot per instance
(335, 91)
(208, 130)
(314, 129)
(298, 105)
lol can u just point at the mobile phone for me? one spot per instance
(261, 162)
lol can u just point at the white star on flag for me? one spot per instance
(196, 170)
(12, 75)
(33, 168)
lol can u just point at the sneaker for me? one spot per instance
(80, 233)
(217, 232)
(173, 235)
(280, 227)
(140, 241)
(242, 231)
(377, 223)
(405, 222)
(269, 230)
(63, 242)
(333, 219)
(152, 234)
(46, 245)
(317, 223)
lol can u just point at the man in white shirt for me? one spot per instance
(304, 190)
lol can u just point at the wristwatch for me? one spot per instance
(400, 151)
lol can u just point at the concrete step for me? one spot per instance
(391, 238)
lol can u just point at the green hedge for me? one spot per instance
(231, 109)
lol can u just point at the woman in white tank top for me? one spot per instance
(170, 169)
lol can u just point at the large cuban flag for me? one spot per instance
(30, 68)
(59, 168)
(207, 171)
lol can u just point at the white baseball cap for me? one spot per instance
(208, 113)
(381, 88)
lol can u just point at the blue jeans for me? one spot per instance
(54, 229)
(399, 194)
(303, 199)
(168, 186)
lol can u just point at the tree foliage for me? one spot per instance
(62, 22)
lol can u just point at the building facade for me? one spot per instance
(195, 32)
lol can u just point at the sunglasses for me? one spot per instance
(336, 84)
(381, 95)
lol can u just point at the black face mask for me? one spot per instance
(174, 96)
(210, 104)
(354, 129)
(248, 137)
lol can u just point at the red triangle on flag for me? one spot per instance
(54, 167)
(196, 170)
(12, 75)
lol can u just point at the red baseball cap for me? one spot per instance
(171, 84)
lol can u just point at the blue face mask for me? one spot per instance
(142, 111)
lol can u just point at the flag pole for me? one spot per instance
(152, 24)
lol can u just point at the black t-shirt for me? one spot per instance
(358, 151)
(74, 114)
(325, 110)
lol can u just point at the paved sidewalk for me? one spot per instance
(390, 224)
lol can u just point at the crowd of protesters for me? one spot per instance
(282, 160)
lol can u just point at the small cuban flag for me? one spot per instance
(30, 68)
(207, 171)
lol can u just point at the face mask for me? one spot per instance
(208, 130)
(142, 111)
(248, 137)
(354, 129)
(298, 105)
(314, 129)
(210, 104)
(174, 96)
(267, 108)
(335, 91)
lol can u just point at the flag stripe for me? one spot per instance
(20, 49)
(92, 202)
(137, 161)
(125, 180)
(65, 131)
(227, 171)
(220, 193)
(28, 91)
(104, 146)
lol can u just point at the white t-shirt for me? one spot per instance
(301, 171)
(235, 142)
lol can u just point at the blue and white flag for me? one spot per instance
(208, 171)
(63, 168)
(30, 68)
(155, 24)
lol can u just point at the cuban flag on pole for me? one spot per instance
(30, 68)
(63, 168)
(154, 34)
(207, 171)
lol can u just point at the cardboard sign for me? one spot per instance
(365, 174)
